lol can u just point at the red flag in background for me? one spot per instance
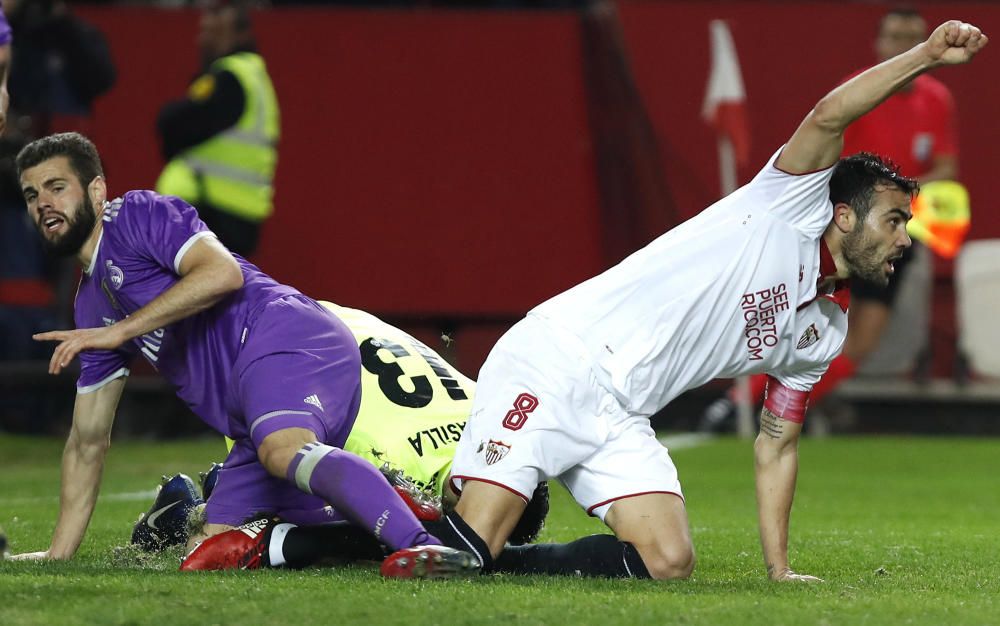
(725, 105)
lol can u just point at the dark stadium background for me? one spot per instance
(448, 168)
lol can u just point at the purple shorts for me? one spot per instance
(299, 368)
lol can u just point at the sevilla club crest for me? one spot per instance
(495, 451)
(808, 338)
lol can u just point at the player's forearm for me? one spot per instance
(819, 140)
(200, 289)
(776, 467)
(4, 72)
(4, 65)
(864, 92)
(82, 466)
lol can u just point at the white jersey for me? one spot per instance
(730, 292)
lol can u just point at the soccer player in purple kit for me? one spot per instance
(256, 360)
(5, 38)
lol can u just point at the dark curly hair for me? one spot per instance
(80, 151)
(855, 178)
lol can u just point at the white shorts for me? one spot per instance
(539, 413)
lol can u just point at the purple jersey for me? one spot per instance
(5, 36)
(145, 236)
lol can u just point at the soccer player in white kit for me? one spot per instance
(755, 283)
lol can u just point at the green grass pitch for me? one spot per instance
(904, 530)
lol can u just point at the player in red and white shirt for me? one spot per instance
(752, 284)
(915, 129)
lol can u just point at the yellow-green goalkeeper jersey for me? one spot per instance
(414, 404)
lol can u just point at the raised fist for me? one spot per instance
(955, 42)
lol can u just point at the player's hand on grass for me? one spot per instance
(72, 342)
(785, 575)
(955, 42)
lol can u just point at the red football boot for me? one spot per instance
(244, 547)
(430, 562)
(424, 509)
(425, 506)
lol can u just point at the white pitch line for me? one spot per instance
(672, 442)
(125, 496)
(685, 440)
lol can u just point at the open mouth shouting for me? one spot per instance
(52, 223)
(890, 264)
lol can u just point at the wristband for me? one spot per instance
(786, 403)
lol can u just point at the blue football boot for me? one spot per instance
(209, 479)
(165, 524)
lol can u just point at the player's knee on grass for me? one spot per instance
(656, 525)
(668, 561)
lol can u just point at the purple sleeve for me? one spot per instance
(5, 35)
(161, 228)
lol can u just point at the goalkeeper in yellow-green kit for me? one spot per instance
(413, 408)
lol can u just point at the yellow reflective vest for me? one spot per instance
(941, 217)
(234, 170)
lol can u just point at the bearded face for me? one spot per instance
(68, 237)
(878, 240)
(865, 256)
(61, 205)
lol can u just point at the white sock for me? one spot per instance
(274, 553)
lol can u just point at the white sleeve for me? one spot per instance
(802, 380)
(801, 200)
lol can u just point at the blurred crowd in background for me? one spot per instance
(485, 4)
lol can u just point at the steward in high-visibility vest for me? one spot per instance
(221, 140)
(941, 217)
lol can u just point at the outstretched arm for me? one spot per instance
(819, 139)
(208, 274)
(4, 96)
(82, 466)
(776, 463)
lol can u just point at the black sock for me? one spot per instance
(455, 533)
(596, 555)
(307, 545)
